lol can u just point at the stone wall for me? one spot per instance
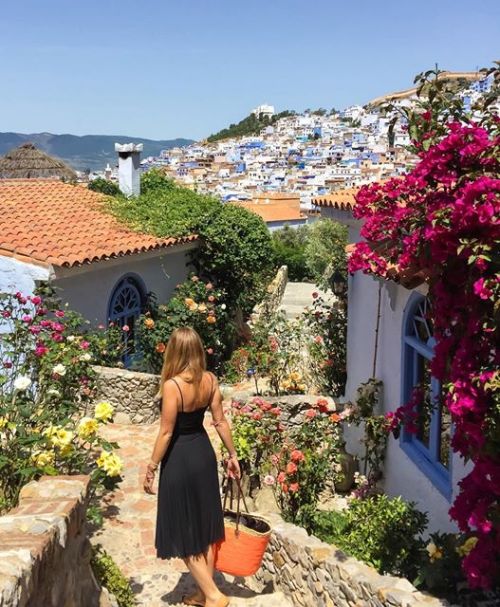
(44, 550)
(272, 300)
(311, 572)
(132, 394)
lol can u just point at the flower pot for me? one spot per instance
(349, 466)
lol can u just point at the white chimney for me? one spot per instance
(129, 175)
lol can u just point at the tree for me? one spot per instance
(325, 249)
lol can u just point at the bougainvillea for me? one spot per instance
(441, 220)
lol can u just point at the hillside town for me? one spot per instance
(305, 155)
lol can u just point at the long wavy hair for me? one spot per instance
(184, 355)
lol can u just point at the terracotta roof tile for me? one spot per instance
(60, 224)
(343, 200)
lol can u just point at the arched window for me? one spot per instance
(125, 306)
(429, 446)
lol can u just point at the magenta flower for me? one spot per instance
(59, 313)
(84, 345)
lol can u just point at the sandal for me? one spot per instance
(190, 600)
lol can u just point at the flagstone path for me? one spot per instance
(298, 296)
(128, 532)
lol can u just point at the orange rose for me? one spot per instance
(335, 418)
(211, 319)
(149, 323)
(160, 347)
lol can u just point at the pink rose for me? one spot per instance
(297, 455)
(59, 313)
(36, 300)
(291, 468)
(84, 345)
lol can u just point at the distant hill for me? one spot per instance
(87, 152)
(251, 125)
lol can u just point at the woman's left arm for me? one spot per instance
(170, 397)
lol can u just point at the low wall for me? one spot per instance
(311, 572)
(132, 394)
(272, 300)
(44, 550)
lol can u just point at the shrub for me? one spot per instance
(109, 575)
(195, 303)
(109, 188)
(327, 324)
(155, 180)
(289, 249)
(381, 531)
(46, 377)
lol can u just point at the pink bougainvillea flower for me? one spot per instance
(481, 290)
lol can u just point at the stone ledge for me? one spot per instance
(312, 572)
(132, 394)
(44, 550)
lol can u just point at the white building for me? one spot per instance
(421, 468)
(264, 110)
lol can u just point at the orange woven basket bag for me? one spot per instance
(247, 536)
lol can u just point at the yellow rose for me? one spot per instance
(103, 411)
(87, 427)
(66, 450)
(434, 552)
(467, 546)
(43, 458)
(110, 463)
(149, 323)
(202, 307)
(62, 439)
(295, 377)
(189, 302)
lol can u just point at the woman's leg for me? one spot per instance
(210, 560)
(199, 569)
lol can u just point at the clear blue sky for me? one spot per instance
(185, 68)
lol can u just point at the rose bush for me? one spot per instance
(195, 303)
(46, 378)
(441, 221)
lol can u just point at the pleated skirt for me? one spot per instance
(189, 517)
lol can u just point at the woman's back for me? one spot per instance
(194, 402)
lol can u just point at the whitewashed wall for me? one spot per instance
(88, 289)
(20, 276)
(401, 475)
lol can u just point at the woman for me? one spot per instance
(189, 519)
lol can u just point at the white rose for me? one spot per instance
(60, 370)
(22, 383)
(71, 338)
(86, 357)
(223, 307)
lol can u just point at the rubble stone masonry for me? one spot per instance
(44, 549)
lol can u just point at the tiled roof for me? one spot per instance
(60, 224)
(410, 278)
(274, 211)
(343, 200)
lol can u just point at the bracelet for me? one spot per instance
(153, 465)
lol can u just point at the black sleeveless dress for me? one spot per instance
(189, 517)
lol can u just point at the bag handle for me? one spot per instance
(240, 498)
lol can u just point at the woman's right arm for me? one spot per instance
(223, 429)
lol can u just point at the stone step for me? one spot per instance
(275, 599)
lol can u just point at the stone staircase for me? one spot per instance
(298, 296)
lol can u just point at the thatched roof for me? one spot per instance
(28, 162)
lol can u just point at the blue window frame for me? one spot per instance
(125, 306)
(429, 446)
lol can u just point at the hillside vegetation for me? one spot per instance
(251, 125)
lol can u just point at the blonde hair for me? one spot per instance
(184, 354)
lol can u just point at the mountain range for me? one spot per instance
(88, 151)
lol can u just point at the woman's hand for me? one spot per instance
(149, 480)
(233, 467)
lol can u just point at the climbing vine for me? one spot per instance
(441, 221)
